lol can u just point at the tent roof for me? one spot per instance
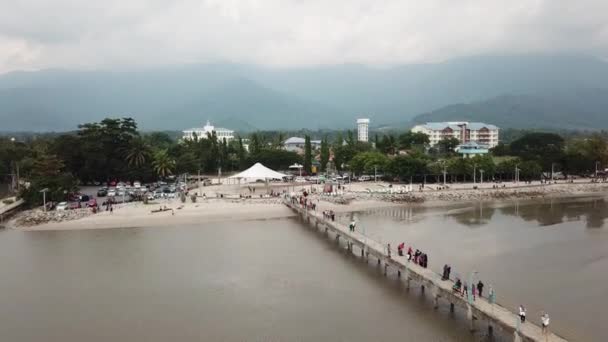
(259, 171)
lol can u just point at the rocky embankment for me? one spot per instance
(35, 217)
(524, 192)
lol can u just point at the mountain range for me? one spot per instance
(543, 91)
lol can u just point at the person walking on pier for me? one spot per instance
(545, 323)
(388, 249)
(409, 253)
(400, 248)
(522, 314)
(352, 225)
(480, 289)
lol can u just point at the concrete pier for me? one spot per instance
(481, 309)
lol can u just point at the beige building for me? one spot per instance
(465, 132)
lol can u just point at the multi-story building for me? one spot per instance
(363, 130)
(465, 132)
(208, 129)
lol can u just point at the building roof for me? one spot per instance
(438, 126)
(294, 140)
(298, 140)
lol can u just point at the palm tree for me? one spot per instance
(163, 164)
(137, 153)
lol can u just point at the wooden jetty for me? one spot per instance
(480, 309)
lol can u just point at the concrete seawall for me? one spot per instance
(495, 315)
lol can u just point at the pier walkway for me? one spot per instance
(481, 309)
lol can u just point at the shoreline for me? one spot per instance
(137, 214)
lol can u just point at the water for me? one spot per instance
(237, 281)
(550, 255)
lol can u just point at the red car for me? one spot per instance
(74, 205)
(92, 203)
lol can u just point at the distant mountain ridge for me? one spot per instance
(174, 98)
(578, 109)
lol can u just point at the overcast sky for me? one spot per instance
(38, 34)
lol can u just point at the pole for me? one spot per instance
(376, 171)
(481, 171)
(552, 168)
(597, 162)
(44, 200)
(474, 173)
(444, 173)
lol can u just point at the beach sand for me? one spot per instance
(361, 196)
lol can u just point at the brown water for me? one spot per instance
(550, 255)
(256, 281)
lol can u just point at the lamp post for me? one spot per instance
(474, 173)
(444, 173)
(481, 172)
(44, 191)
(596, 164)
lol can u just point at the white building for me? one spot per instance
(296, 144)
(363, 130)
(465, 132)
(208, 129)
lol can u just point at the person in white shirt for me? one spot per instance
(522, 314)
(545, 320)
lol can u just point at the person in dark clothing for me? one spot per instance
(480, 288)
(444, 276)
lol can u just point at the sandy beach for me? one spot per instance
(353, 197)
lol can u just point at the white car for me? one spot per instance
(111, 193)
(137, 185)
(62, 206)
(300, 180)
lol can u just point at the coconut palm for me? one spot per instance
(137, 153)
(163, 164)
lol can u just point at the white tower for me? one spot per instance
(362, 130)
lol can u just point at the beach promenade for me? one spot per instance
(495, 316)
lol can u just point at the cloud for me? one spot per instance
(285, 33)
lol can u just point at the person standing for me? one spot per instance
(480, 289)
(545, 323)
(522, 314)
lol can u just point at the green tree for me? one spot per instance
(324, 154)
(407, 167)
(307, 155)
(368, 162)
(411, 140)
(446, 146)
(163, 163)
(136, 153)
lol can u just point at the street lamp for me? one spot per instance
(474, 173)
(596, 164)
(44, 191)
(481, 171)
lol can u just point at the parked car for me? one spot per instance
(364, 178)
(92, 203)
(74, 205)
(62, 206)
(111, 193)
(136, 185)
(300, 180)
(103, 192)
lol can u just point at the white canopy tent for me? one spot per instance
(258, 172)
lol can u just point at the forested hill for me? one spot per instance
(577, 109)
(244, 97)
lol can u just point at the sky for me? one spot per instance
(84, 34)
